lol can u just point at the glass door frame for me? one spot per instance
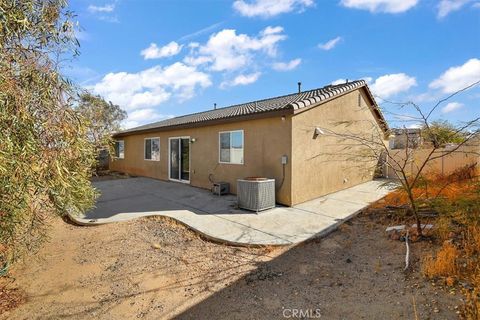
(179, 158)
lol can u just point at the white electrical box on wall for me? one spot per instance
(284, 159)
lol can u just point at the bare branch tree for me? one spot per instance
(361, 147)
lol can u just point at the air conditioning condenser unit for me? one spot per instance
(256, 194)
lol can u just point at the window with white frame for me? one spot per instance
(152, 149)
(119, 149)
(231, 147)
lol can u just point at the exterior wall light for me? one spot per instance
(317, 132)
(192, 140)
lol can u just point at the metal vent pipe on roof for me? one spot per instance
(299, 87)
(214, 106)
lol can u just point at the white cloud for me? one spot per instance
(367, 79)
(196, 61)
(428, 96)
(201, 31)
(386, 6)
(476, 5)
(101, 9)
(287, 66)
(112, 19)
(452, 106)
(392, 84)
(445, 7)
(241, 80)
(239, 58)
(459, 77)
(270, 8)
(338, 81)
(148, 98)
(154, 52)
(104, 13)
(152, 86)
(330, 44)
(139, 117)
(416, 125)
(229, 51)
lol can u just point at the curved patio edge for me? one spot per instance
(123, 217)
(278, 226)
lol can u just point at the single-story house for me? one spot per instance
(282, 138)
(401, 137)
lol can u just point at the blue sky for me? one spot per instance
(158, 59)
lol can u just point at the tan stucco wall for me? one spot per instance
(328, 164)
(265, 141)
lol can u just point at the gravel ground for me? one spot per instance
(155, 268)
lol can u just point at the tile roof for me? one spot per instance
(293, 101)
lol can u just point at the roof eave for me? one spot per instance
(259, 115)
(378, 112)
(380, 119)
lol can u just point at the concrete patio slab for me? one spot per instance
(217, 217)
(286, 224)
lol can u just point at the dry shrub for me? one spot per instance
(471, 271)
(471, 310)
(10, 298)
(460, 263)
(444, 264)
(471, 241)
(472, 306)
(454, 199)
(452, 187)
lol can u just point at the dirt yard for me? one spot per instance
(157, 269)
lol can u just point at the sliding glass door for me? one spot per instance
(179, 159)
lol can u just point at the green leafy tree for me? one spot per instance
(103, 118)
(441, 132)
(45, 157)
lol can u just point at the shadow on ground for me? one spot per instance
(355, 273)
(145, 195)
